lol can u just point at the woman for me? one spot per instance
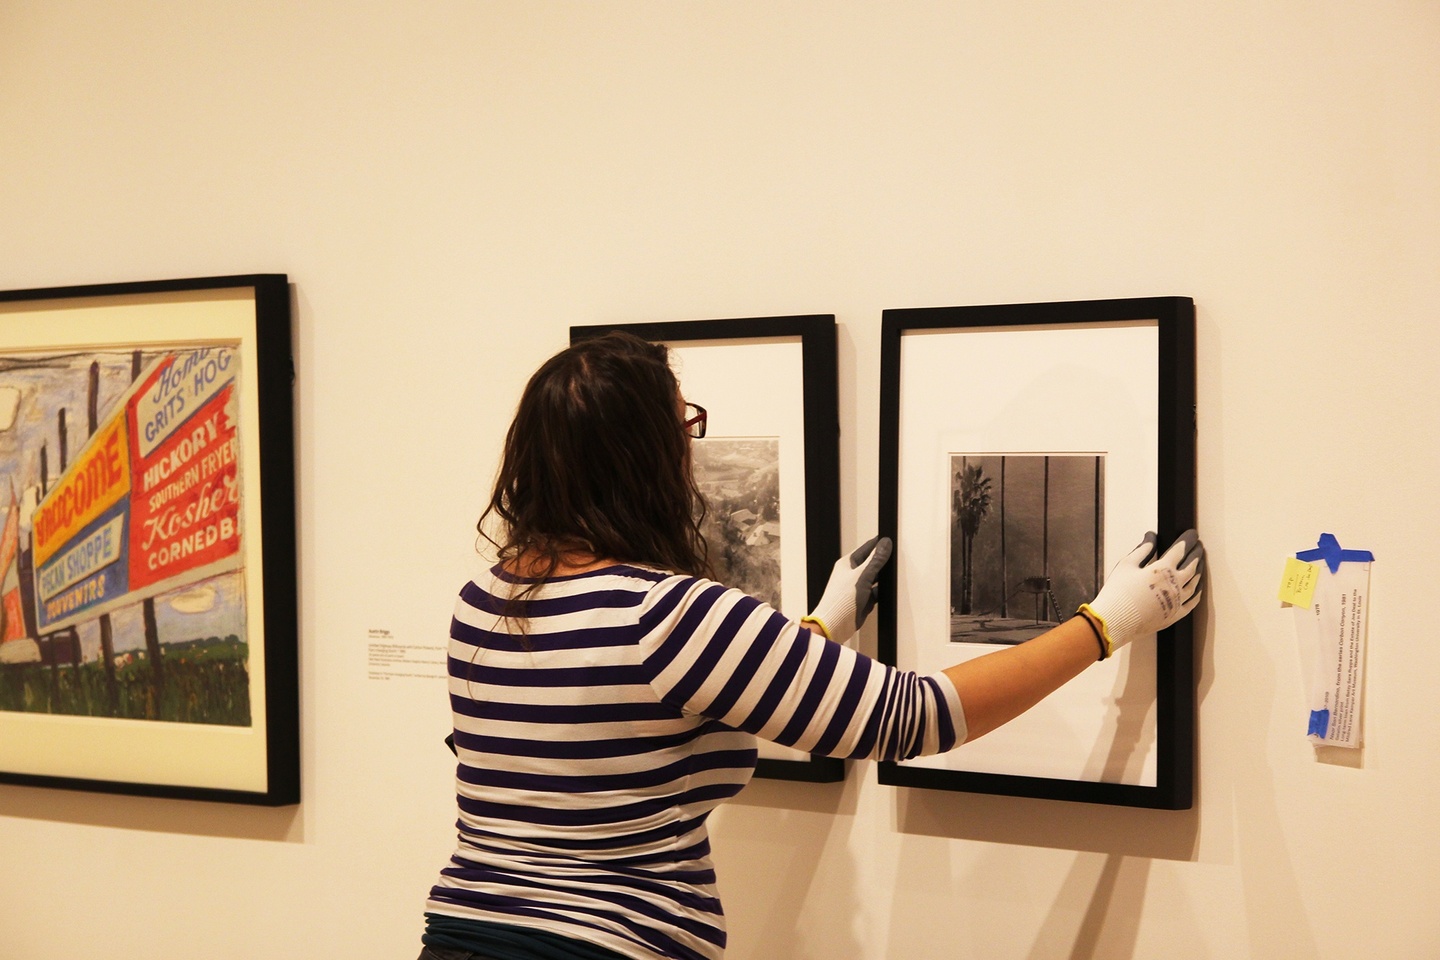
(606, 695)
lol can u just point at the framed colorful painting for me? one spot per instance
(769, 465)
(148, 622)
(1024, 449)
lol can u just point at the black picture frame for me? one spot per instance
(954, 331)
(815, 334)
(190, 418)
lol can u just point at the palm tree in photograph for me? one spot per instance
(969, 505)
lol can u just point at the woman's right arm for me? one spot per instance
(1139, 598)
(713, 651)
(998, 687)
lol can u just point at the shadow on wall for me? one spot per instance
(1072, 879)
(154, 814)
(1095, 909)
(1101, 828)
(766, 885)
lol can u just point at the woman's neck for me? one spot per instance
(533, 563)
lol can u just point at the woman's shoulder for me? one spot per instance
(675, 597)
(499, 583)
(653, 590)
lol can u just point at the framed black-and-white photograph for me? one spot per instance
(1025, 448)
(769, 465)
(147, 553)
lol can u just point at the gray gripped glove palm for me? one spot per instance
(1142, 597)
(851, 592)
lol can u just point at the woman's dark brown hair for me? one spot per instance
(597, 465)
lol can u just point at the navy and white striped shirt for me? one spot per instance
(593, 746)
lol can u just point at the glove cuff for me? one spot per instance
(1097, 626)
(1120, 621)
(812, 619)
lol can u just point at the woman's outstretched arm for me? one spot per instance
(998, 687)
(1140, 597)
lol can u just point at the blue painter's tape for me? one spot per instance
(1329, 550)
(1319, 723)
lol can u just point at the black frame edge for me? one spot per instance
(274, 378)
(277, 497)
(1175, 673)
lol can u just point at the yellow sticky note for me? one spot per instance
(1297, 585)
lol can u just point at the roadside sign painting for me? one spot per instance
(185, 517)
(153, 501)
(131, 569)
(148, 602)
(76, 531)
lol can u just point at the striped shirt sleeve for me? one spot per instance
(713, 651)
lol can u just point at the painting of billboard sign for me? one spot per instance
(148, 509)
(147, 589)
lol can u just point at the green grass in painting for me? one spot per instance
(203, 681)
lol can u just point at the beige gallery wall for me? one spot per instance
(450, 184)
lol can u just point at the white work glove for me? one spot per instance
(1141, 598)
(850, 595)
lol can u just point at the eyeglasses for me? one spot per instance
(695, 418)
